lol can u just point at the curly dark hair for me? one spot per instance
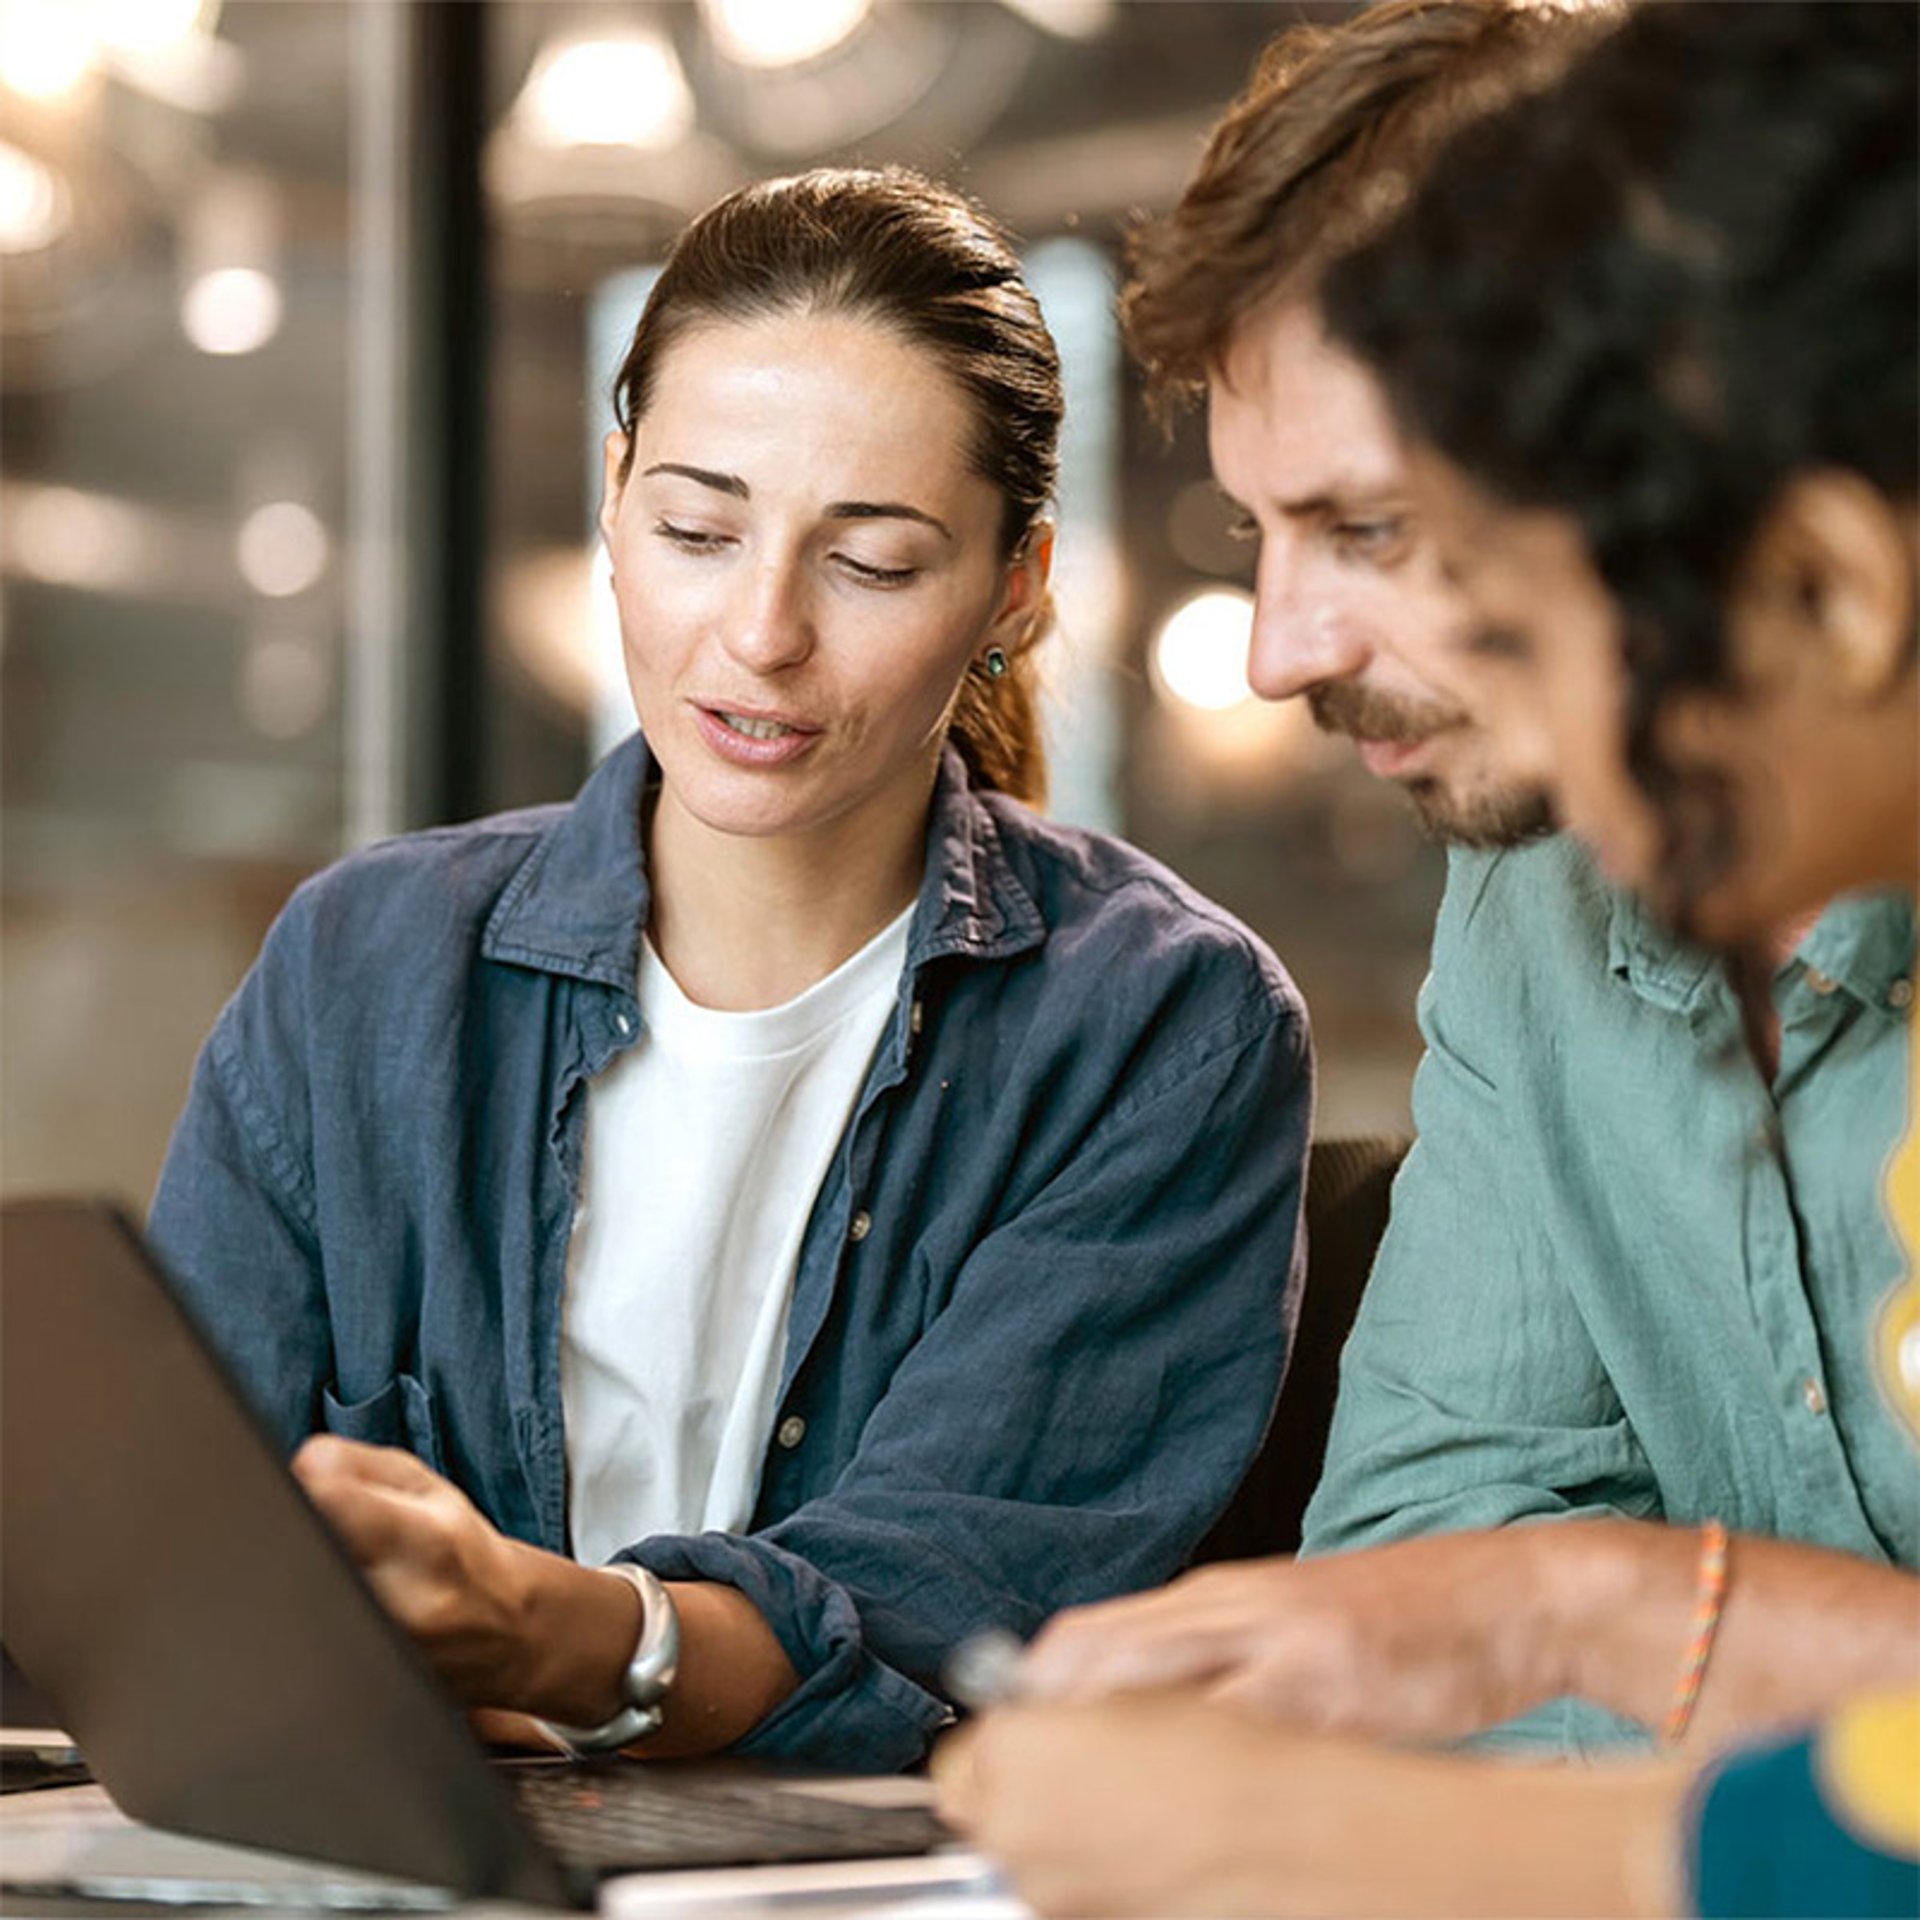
(1651, 296)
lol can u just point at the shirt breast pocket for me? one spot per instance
(399, 1415)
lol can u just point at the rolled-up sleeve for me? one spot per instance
(1075, 1416)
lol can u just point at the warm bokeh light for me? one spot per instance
(282, 548)
(782, 33)
(73, 539)
(1199, 656)
(35, 206)
(145, 26)
(1070, 19)
(232, 310)
(628, 92)
(46, 46)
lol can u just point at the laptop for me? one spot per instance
(226, 1672)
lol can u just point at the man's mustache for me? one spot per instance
(1365, 714)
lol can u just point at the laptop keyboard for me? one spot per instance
(630, 1814)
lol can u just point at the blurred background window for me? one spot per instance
(308, 316)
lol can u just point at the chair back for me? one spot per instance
(1348, 1185)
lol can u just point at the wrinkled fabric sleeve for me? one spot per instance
(1471, 1393)
(233, 1217)
(1072, 1421)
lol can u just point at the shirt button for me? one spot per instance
(792, 1431)
(860, 1225)
(1821, 983)
(624, 1022)
(1900, 994)
(917, 1017)
(1814, 1395)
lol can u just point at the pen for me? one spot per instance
(983, 1670)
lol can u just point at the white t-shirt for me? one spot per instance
(706, 1144)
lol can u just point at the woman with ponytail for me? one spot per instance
(793, 1197)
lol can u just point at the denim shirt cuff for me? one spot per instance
(851, 1710)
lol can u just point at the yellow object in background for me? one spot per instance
(1897, 1334)
(1869, 1766)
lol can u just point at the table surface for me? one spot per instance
(70, 1851)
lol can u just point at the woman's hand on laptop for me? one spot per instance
(512, 1626)
(505, 1624)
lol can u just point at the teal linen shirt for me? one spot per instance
(1624, 1275)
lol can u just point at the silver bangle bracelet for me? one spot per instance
(656, 1659)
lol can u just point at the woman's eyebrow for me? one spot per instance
(720, 482)
(732, 484)
(886, 510)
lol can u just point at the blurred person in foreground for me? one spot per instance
(1629, 1263)
(741, 1196)
(1660, 325)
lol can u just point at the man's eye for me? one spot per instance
(1243, 526)
(1495, 642)
(689, 539)
(872, 576)
(1380, 541)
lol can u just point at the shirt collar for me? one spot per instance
(1865, 942)
(1659, 968)
(971, 901)
(580, 901)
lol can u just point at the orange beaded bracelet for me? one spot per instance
(1709, 1597)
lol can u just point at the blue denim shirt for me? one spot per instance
(1042, 1301)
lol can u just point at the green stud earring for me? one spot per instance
(996, 663)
